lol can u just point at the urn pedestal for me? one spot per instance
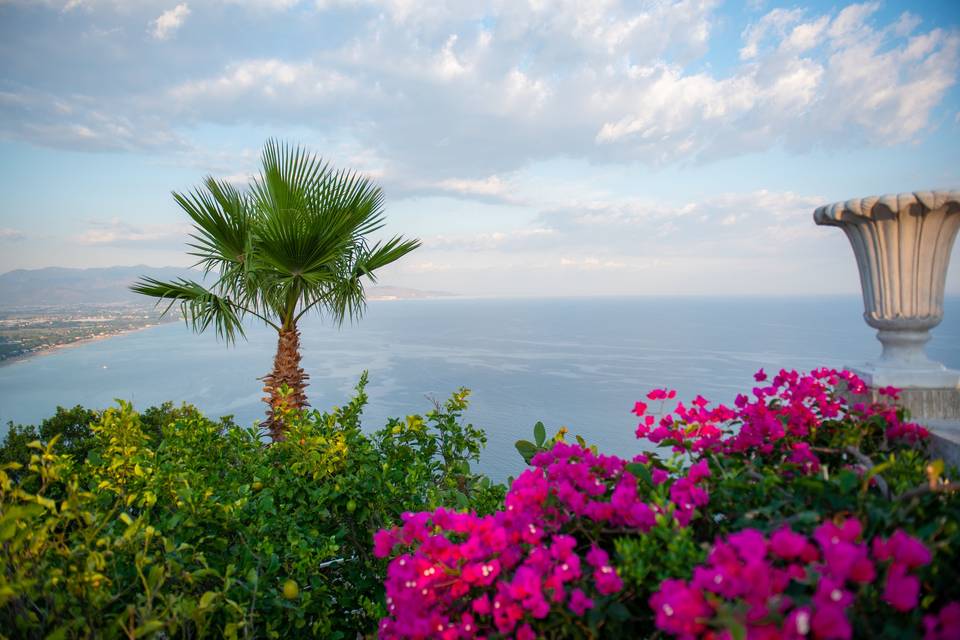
(902, 244)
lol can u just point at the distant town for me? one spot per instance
(43, 309)
(26, 331)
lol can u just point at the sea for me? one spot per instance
(574, 362)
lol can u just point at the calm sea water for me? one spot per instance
(579, 363)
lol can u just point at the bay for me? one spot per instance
(574, 362)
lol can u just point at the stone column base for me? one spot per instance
(934, 377)
(936, 409)
(924, 405)
(944, 441)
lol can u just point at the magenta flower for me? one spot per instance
(760, 375)
(383, 543)
(597, 557)
(526, 633)
(579, 602)
(907, 550)
(787, 544)
(659, 476)
(699, 471)
(945, 625)
(902, 590)
(607, 580)
(680, 610)
(797, 624)
(830, 623)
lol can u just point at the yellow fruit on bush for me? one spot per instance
(291, 590)
(256, 486)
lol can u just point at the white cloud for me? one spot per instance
(8, 234)
(267, 83)
(119, 233)
(448, 93)
(169, 21)
(497, 240)
(618, 245)
(81, 122)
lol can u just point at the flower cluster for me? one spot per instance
(464, 575)
(945, 625)
(748, 577)
(577, 526)
(779, 416)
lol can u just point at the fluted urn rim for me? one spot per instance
(874, 206)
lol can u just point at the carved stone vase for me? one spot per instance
(902, 244)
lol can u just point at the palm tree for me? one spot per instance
(295, 241)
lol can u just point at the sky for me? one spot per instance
(537, 148)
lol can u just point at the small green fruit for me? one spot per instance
(291, 590)
(256, 486)
(351, 506)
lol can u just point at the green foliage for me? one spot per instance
(201, 530)
(528, 449)
(14, 447)
(68, 429)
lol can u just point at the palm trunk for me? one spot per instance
(286, 371)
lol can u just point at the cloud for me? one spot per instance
(613, 231)
(456, 96)
(169, 21)
(82, 122)
(10, 235)
(116, 232)
(267, 83)
(499, 240)
(489, 189)
(760, 241)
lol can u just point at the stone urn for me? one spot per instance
(902, 244)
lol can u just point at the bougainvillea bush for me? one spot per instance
(795, 513)
(192, 528)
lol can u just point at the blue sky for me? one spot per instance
(537, 148)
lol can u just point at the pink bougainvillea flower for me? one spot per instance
(907, 550)
(698, 471)
(659, 476)
(830, 623)
(797, 624)
(680, 610)
(902, 590)
(750, 544)
(579, 602)
(760, 375)
(640, 408)
(945, 625)
(526, 633)
(383, 543)
(787, 544)
(607, 580)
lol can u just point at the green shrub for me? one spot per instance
(204, 530)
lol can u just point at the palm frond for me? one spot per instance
(200, 307)
(222, 225)
(294, 241)
(382, 254)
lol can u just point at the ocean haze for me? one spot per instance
(60, 286)
(575, 362)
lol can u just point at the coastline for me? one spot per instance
(75, 343)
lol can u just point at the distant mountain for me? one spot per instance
(58, 286)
